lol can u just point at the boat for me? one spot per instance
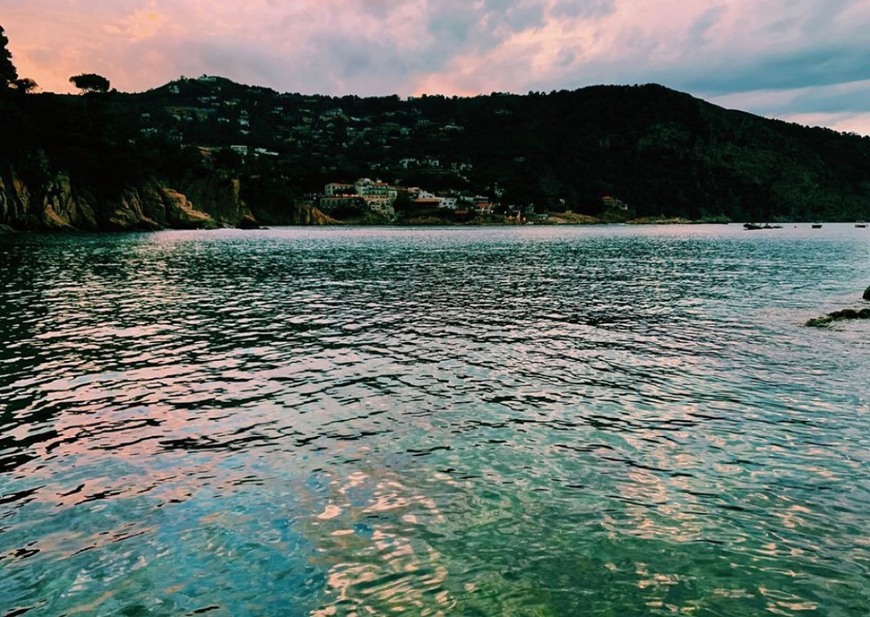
(754, 226)
(817, 225)
(860, 224)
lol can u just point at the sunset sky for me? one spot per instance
(806, 61)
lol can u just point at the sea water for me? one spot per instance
(523, 421)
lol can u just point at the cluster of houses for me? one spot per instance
(380, 197)
(258, 124)
(297, 126)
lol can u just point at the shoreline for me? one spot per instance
(6, 230)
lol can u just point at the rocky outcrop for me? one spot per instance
(64, 208)
(180, 213)
(219, 198)
(313, 216)
(842, 315)
(127, 213)
(14, 201)
(291, 211)
(249, 222)
(59, 205)
(54, 206)
(570, 218)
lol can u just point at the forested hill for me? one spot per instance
(660, 151)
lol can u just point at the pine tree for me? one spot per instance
(8, 74)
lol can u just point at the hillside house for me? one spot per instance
(339, 188)
(336, 203)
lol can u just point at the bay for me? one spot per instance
(458, 421)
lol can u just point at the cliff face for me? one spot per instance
(54, 206)
(58, 205)
(219, 199)
(306, 214)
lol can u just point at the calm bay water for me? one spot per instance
(497, 421)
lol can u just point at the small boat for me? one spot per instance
(754, 226)
(817, 225)
(861, 224)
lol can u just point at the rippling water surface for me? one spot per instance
(534, 421)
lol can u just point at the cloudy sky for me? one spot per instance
(806, 61)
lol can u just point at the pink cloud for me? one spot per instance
(367, 47)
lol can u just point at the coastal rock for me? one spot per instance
(181, 213)
(14, 200)
(571, 218)
(867, 294)
(219, 198)
(54, 205)
(51, 220)
(248, 222)
(842, 315)
(316, 217)
(64, 209)
(304, 213)
(128, 213)
(57, 204)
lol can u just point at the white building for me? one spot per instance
(339, 188)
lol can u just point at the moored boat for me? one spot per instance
(753, 226)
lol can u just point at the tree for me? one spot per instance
(25, 85)
(90, 82)
(8, 74)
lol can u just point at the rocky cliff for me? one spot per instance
(53, 206)
(57, 204)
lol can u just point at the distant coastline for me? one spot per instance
(207, 153)
(554, 220)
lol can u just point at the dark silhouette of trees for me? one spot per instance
(25, 85)
(90, 82)
(8, 74)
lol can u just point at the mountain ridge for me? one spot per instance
(250, 155)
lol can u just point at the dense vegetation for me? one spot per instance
(660, 151)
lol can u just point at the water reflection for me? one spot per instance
(533, 421)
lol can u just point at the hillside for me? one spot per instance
(164, 157)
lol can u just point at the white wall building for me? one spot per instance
(339, 188)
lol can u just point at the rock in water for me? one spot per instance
(848, 313)
(867, 294)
